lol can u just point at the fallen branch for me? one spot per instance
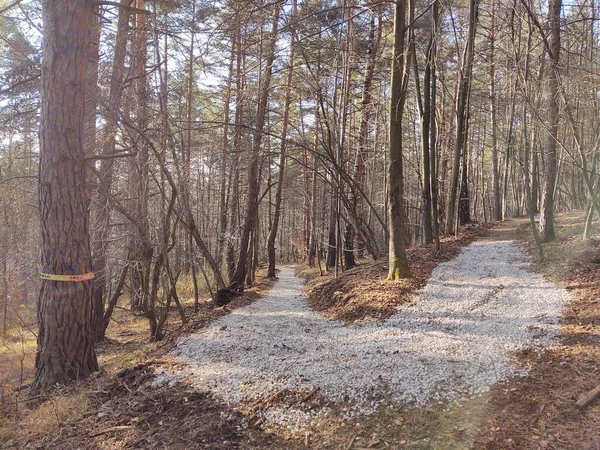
(111, 429)
(588, 398)
(351, 442)
(305, 398)
(267, 401)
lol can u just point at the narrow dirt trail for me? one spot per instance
(452, 342)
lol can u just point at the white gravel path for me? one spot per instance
(453, 342)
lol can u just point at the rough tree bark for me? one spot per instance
(65, 349)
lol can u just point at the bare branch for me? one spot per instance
(12, 5)
(113, 156)
(122, 5)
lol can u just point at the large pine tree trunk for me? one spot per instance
(65, 343)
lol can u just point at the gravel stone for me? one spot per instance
(455, 340)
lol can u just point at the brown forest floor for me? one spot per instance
(119, 409)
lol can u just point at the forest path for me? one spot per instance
(452, 342)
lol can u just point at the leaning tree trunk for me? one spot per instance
(100, 206)
(65, 344)
(398, 262)
(355, 198)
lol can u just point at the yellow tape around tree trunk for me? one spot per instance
(72, 278)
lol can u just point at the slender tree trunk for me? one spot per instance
(345, 244)
(550, 164)
(424, 108)
(224, 157)
(332, 235)
(355, 199)
(253, 170)
(313, 246)
(282, 150)
(141, 249)
(188, 258)
(529, 197)
(4, 280)
(433, 124)
(398, 262)
(462, 114)
(101, 207)
(464, 201)
(497, 214)
(65, 349)
(237, 148)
